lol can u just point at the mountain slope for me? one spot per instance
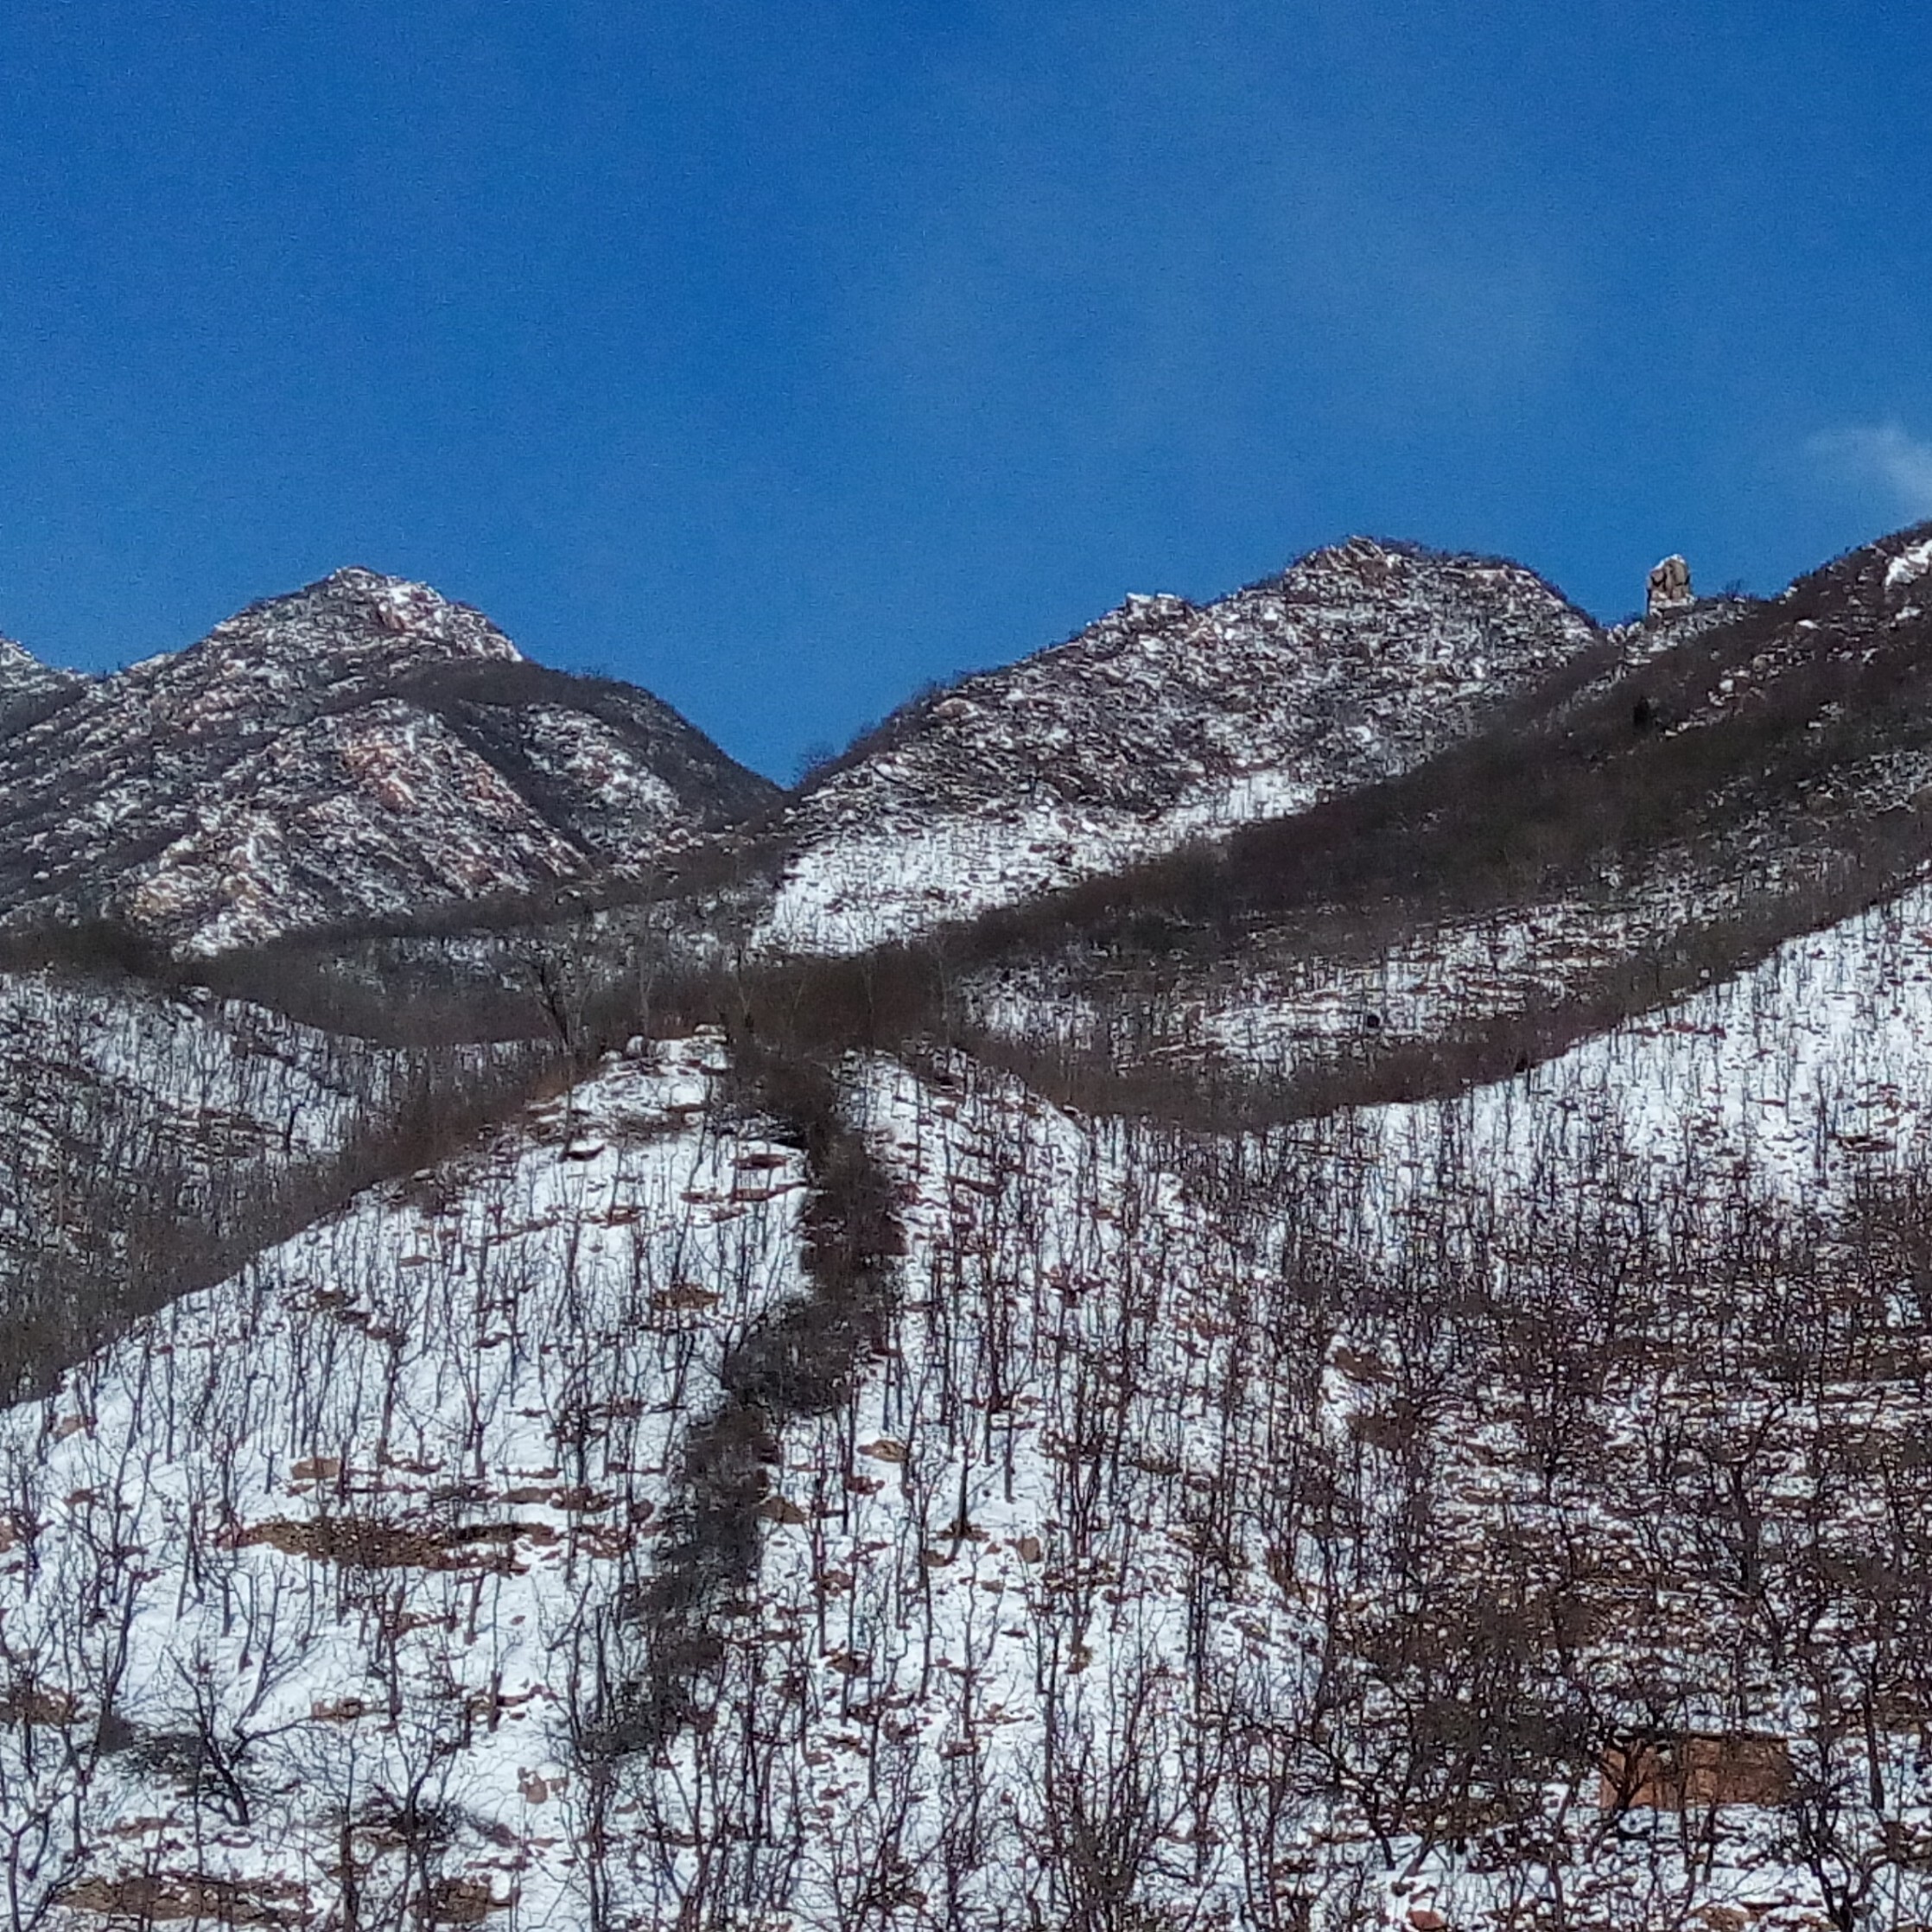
(1741, 775)
(1208, 1501)
(801, 1475)
(352, 749)
(1162, 722)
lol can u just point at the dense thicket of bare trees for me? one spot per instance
(154, 1143)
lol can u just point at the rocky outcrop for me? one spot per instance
(29, 689)
(1669, 587)
(20, 670)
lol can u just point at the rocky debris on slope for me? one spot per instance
(1163, 722)
(370, 811)
(1651, 635)
(29, 688)
(360, 747)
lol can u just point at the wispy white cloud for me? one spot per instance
(1882, 453)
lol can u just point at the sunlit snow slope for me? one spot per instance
(1163, 722)
(323, 1579)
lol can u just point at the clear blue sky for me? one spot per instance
(782, 357)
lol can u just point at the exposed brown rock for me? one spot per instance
(461, 1902)
(151, 1897)
(358, 1543)
(1696, 1770)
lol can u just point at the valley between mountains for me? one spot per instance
(1269, 1270)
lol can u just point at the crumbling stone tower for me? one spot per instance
(1670, 587)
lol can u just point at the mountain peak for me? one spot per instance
(1354, 551)
(350, 748)
(353, 618)
(20, 669)
(27, 686)
(404, 607)
(17, 665)
(1165, 721)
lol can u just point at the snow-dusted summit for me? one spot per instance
(1163, 722)
(20, 670)
(359, 747)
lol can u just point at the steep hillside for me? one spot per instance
(1263, 1533)
(155, 1138)
(1163, 722)
(359, 747)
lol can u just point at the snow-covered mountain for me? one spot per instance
(1163, 722)
(388, 1518)
(980, 1435)
(1743, 771)
(359, 747)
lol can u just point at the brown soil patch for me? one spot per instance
(1691, 1772)
(161, 1897)
(357, 1543)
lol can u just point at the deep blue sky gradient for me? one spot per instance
(782, 358)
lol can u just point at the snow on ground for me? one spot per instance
(1910, 564)
(104, 1086)
(1799, 1072)
(886, 882)
(1271, 1008)
(1060, 1561)
(1163, 722)
(348, 1535)
(607, 773)
(314, 1539)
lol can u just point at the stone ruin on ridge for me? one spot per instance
(1670, 587)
